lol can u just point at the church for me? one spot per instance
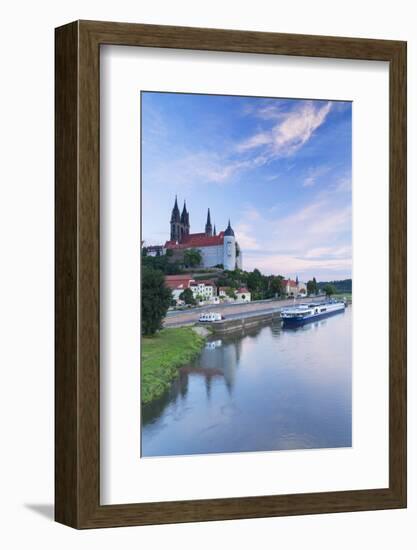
(216, 249)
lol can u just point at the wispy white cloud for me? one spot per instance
(199, 168)
(268, 109)
(320, 221)
(287, 133)
(343, 185)
(289, 265)
(155, 124)
(314, 174)
(292, 131)
(246, 238)
(251, 213)
(329, 252)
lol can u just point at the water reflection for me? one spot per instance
(266, 388)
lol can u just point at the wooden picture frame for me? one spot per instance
(77, 372)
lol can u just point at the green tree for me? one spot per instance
(255, 282)
(227, 280)
(329, 290)
(312, 287)
(276, 287)
(156, 299)
(188, 297)
(162, 263)
(231, 293)
(192, 257)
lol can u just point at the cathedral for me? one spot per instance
(216, 249)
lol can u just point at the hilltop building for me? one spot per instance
(216, 249)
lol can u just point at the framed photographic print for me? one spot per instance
(230, 274)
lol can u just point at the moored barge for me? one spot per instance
(306, 313)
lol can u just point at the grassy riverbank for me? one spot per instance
(162, 354)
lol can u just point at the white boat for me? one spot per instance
(210, 317)
(299, 315)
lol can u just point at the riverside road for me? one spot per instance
(230, 311)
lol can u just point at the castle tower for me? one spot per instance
(209, 230)
(185, 221)
(229, 249)
(175, 222)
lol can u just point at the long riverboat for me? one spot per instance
(301, 314)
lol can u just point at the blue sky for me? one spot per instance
(280, 169)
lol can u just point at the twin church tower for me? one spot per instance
(216, 249)
(180, 224)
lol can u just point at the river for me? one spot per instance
(264, 389)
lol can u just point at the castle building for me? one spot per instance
(216, 249)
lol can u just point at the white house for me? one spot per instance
(203, 291)
(243, 295)
(222, 291)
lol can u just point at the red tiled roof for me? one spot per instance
(289, 282)
(243, 290)
(178, 281)
(195, 240)
(208, 282)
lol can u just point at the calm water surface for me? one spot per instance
(260, 390)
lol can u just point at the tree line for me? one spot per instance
(340, 286)
(260, 286)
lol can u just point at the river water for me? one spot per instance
(264, 389)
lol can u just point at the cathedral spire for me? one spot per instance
(214, 230)
(176, 226)
(209, 230)
(175, 216)
(185, 220)
(184, 213)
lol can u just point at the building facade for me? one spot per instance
(203, 291)
(243, 295)
(216, 249)
(294, 288)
